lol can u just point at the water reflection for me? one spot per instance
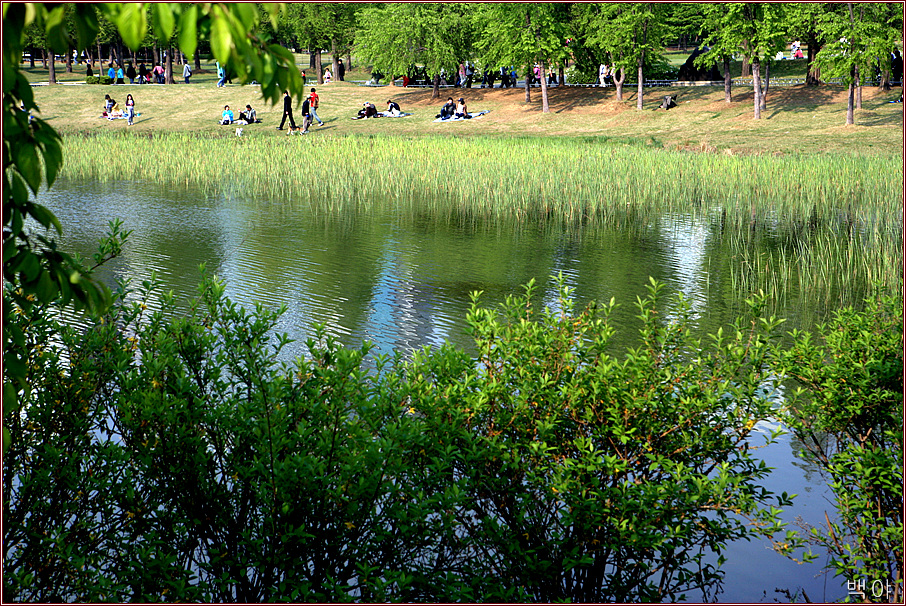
(402, 280)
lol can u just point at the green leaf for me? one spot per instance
(54, 25)
(86, 23)
(25, 157)
(188, 30)
(221, 39)
(132, 24)
(162, 20)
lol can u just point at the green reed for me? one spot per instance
(835, 219)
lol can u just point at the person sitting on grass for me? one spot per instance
(368, 110)
(250, 116)
(461, 110)
(447, 110)
(393, 109)
(227, 116)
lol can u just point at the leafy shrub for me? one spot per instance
(847, 413)
(165, 455)
(92, 80)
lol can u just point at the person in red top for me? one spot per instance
(313, 101)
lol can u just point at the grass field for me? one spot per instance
(798, 120)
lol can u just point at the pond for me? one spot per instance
(402, 280)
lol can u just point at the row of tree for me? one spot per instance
(843, 40)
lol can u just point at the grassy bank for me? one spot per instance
(799, 120)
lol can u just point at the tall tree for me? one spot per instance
(756, 30)
(630, 34)
(524, 35)
(395, 37)
(804, 21)
(856, 41)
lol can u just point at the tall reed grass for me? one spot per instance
(834, 219)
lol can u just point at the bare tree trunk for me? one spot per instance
(746, 68)
(31, 57)
(349, 63)
(528, 85)
(640, 90)
(813, 76)
(155, 55)
(858, 89)
(767, 84)
(561, 78)
(68, 60)
(52, 71)
(545, 105)
(618, 82)
(849, 106)
(318, 68)
(435, 92)
(197, 61)
(44, 57)
(169, 72)
(728, 80)
(756, 85)
(335, 60)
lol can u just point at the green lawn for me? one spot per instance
(798, 119)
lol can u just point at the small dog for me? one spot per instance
(295, 131)
(238, 132)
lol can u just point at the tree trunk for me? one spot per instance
(885, 80)
(44, 57)
(349, 63)
(435, 92)
(756, 85)
(52, 71)
(197, 61)
(728, 80)
(318, 68)
(335, 60)
(100, 56)
(746, 68)
(849, 105)
(169, 72)
(528, 85)
(561, 78)
(155, 55)
(68, 60)
(858, 89)
(813, 76)
(767, 84)
(639, 87)
(618, 82)
(545, 105)
(31, 57)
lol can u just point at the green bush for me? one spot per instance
(169, 456)
(847, 413)
(92, 80)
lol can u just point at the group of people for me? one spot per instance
(370, 111)
(112, 109)
(117, 74)
(249, 116)
(453, 109)
(309, 111)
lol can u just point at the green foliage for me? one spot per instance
(170, 456)
(32, 151)
(848, 415)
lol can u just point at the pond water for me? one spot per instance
(402, 280)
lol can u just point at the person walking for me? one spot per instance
(142, 72)
(130, 72)
(130, 109)
(287, 111)
(221, 75)
(315, 101)
(111, 73)
(306, 114)
(186, 71)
